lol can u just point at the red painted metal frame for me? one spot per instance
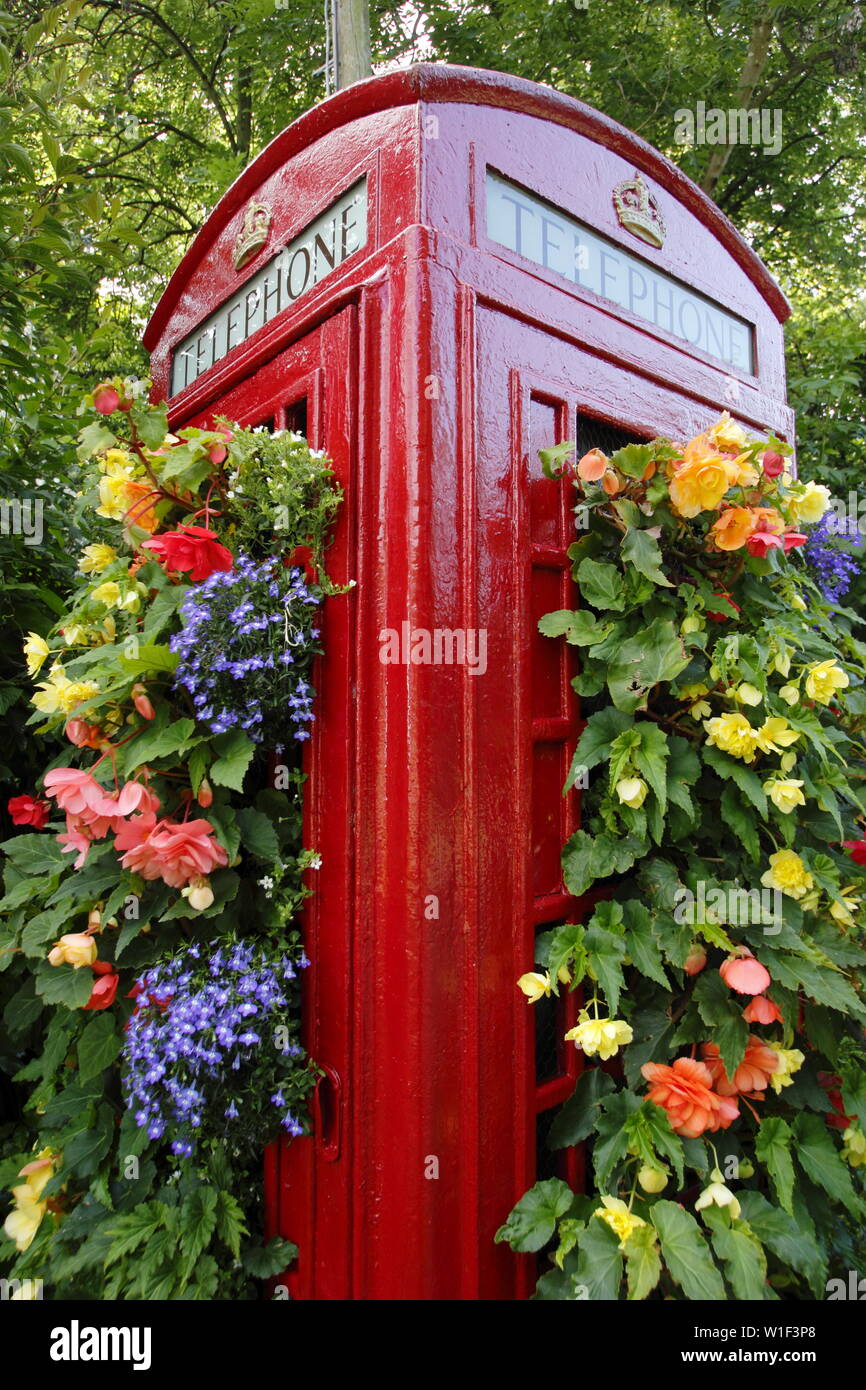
(434, 363)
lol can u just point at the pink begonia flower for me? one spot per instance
(169, 850)
(134, 796)
(76, 836)
(744, 974)
(75, 791)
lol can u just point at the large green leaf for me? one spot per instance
(611, 1146)
(581, 628)
(643, 1262)
(599, 1266)
(601, 584)
(790, 1241)
(642, 550)
(742, 1255)
(234, 755)
(63, 984)
(686, 1253)
(655, 654)
(773, 1149)
(819, 1158)
(98, 1046)
(533, 1221)
(577, 1118)
(35, 854)
(587, 858)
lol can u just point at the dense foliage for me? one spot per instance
(721, 968)
(149, 950)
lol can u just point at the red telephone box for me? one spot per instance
(433, 274)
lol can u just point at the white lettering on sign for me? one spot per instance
(319, 249)
(525, 224)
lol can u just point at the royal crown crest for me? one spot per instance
(252, 235)
(638, 211)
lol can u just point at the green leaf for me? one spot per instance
(651, 756)
(532, 1222)
(150, 657)
(235, 752)
(35, 854)
(642, 550)
(63, 984)
(643, 1262)
(41, 929)
(650, 1135)
(156, 742)
(601, 584)
(742, 1254)
(197, 765)
(577, 1118)
(198, 1219)
(790, 1241)
(98, 1046)
(587, 858)
(773, 1150)
(230, 1222)
(606, 951)
(686, 1253)
(654, 655)
(134, 1229)
(652, 1029)
(612, 1143)
(151, 422)
(264, 1261)
(641, 943)
(819, 1158)
(594, 744)
(258, 834)
(580, 628)
(748, 782)
(599, 1265)
(554, 458)
(741, 820)
(84, 1153)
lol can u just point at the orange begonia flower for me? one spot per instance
(685, 1091)
(733, 527)
(592, 466)
(753, 1073)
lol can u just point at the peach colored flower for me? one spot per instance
(75, 791)
(592, 466)
(751, 1076)
(762, 1010)
(733, 527)
(744, 974)
(685, 1091)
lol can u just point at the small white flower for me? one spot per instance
(316, 861)
(267, 882)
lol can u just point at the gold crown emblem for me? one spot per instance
(638, 211)
(253, 234)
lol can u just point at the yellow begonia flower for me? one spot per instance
(107, 593)
(788, 761)
(116, 463)
(632, 792)
(618, 1217)
(790, 694)
(36, 649)
(781, 661)
(799, 603)
(747, 694)
(700, 483)
(809, 503)
(788, 873)
(691, 692)
(96, 558)
(733, 734)
(24, 1220)
(823, 680)
(717, 1195)
(843, 912)
(776, 734)
(700, 709)
(854, 1146)
(602, 1037)
(785, 793)
(76, 634)
(75, 949)
(535, 986)
(728, 435)
(789, 1061)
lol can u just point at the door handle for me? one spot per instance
(327, 1108)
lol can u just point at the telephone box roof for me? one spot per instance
(447, 83)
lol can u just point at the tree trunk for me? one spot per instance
(352, 41)
(753, 69)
